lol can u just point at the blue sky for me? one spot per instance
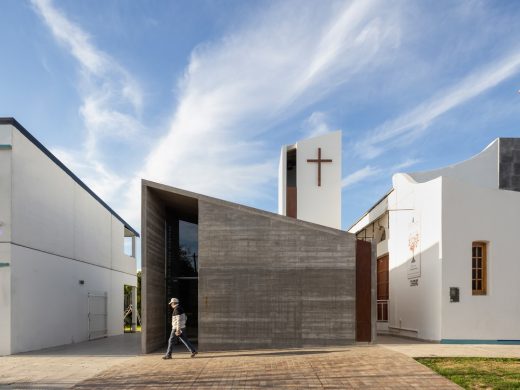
(202, 94)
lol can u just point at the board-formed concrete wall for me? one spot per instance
(153, 286)
(267, 281)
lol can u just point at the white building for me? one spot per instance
(447, 250)
(62, 262)
(309, 180)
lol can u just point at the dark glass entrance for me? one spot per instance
(182, 270)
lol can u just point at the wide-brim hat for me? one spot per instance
(173, 300)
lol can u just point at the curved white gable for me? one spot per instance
(481, 169)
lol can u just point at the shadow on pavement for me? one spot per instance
(128, 344)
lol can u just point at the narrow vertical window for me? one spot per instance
(382, 288)
(479, 268)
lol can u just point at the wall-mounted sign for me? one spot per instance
(4, 265)
(414, 247)
(414, 282)
(454, 294)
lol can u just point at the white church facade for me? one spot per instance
(63, 267)
(447, 250)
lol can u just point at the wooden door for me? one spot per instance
(363, 291)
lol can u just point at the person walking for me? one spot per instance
(178, 329)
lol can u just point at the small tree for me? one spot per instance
(128, 295)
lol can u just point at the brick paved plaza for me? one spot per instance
(115, 363)
(370, 367)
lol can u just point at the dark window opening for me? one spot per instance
(291, 198)
(182, 271)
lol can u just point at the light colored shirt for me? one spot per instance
(178, 321)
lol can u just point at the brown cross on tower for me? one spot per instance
(319, 161)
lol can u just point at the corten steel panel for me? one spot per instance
(363, 291)
(272, 282)
(153, 285)
(292, 205)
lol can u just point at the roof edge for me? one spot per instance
(13, 122)
(455, 165)
(210, 199)
(370, 209)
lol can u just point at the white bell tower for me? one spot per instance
(309, 181)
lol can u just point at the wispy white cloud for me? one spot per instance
(93, 61)
(315, 125)
(235, 88)
(360, 175)
(370, 171)
(111, 97)
(101, 180)
(405, 164)
(76, 40)
(111, 102)
(405, 128)
(232, 92)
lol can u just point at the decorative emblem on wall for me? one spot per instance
(414, 241)
(319, 160)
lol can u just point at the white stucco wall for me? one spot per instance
(60, 235)
(321, 205)
(5, 300)
(456, 206)
(453, 213)
(92, 230)
(5, 183)
(5, 238)
(42, 201)
(473, 213)
(415, 207)
(50, 306)
(282, 181)
(119, 260)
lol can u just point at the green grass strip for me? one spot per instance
(477, 373)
